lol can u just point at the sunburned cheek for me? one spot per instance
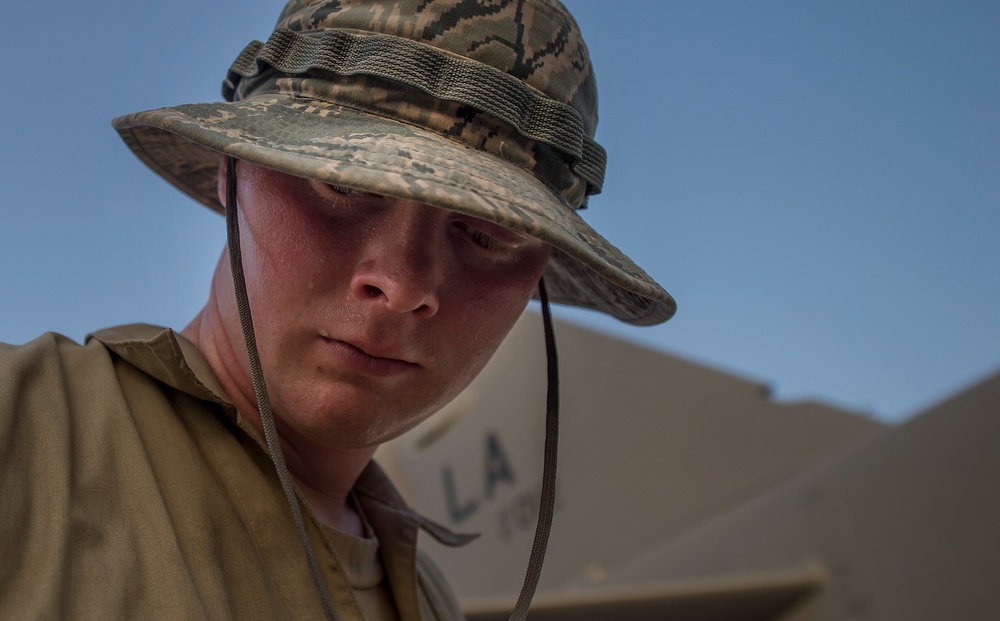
(486, 323)
(274, 265)
(507, 283)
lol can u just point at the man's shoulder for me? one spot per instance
(51, 373)
(44, 344)
(52, 355)
(156, 352)
(55, 344)
(45, 358)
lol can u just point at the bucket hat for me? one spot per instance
(485, 108)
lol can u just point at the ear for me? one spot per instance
(221, 186)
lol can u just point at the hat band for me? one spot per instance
(436, 73)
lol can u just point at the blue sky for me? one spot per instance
(818, 184)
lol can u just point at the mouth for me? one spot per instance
(357, 358)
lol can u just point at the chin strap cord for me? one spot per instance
(548, 495)
(260, 389)
(547, 502)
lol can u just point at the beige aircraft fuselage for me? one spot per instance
(686, 493)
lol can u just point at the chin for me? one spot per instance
(346, 415)
(352, 428)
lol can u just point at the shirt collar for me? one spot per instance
(166, 356)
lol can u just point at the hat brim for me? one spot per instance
(332, 143)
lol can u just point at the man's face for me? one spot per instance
(370, 313)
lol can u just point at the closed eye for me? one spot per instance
(478, 237)
(346, 191)
(483, 239)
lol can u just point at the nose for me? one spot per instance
(402, 264)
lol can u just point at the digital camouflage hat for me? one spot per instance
(483, 107)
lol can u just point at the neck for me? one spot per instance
(323, 475)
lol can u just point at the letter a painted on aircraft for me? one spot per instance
(497, 466)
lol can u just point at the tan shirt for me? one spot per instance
(131, 488)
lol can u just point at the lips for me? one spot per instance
(366, 359)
